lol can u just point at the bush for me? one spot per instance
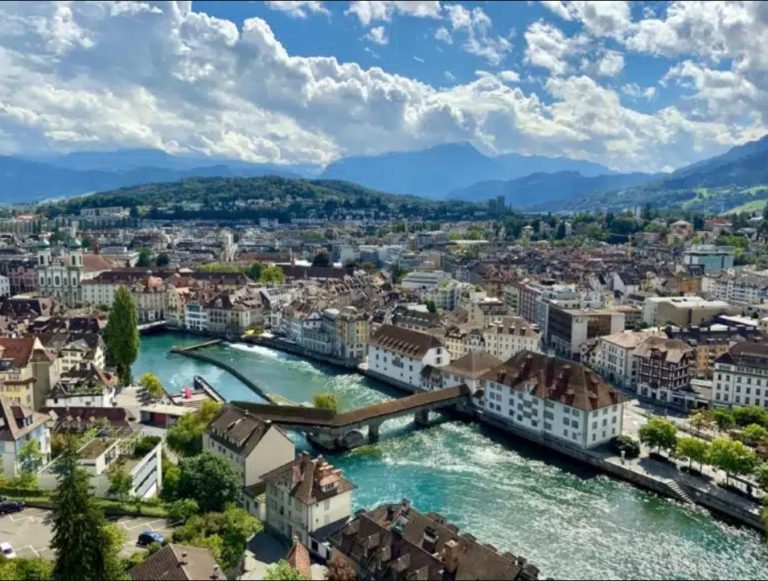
(326, 401)
(145, 445)
(626, 444)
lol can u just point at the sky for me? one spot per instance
(640, 86)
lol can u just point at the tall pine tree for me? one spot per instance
(78, 524)
(122, 334)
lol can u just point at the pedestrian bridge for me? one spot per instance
(333, 430)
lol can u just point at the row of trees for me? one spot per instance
(256, 271)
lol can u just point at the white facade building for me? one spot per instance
(402, 355)
(551, 397)
(424, 280)
(613, 356)
(741, 375)
(5, 286)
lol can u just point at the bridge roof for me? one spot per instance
(299, 415)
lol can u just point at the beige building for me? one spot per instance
(613, 356)
(683, 311)
(27, 371)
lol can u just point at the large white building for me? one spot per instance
(741, 375)
(425, 280)
(304, 497)
(551, 397)
(613, 356)
(401, 355)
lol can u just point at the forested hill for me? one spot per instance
(262, 197)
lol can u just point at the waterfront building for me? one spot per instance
(711, 258)
(400, 355)
(19, 425)
(665, 368)
(683, 311)
(395, 541)
(741, 375)
(307, 499)
(195, 316)
(613, 356)
(234, 311)
(468, 369)
(551, 397)
(252, 448)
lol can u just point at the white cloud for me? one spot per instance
(480, 41)
(611, 63)
(509, 76)
(449, 76)
(418, 59)
(297, 8)
(607, 18)
(442, 34)
(378, 35)
(635, 91)
(373, 10)
(201, 84)
(547, 47)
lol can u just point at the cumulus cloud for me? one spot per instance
(548, 47)
(297, 8)
(442, 34)
(378, 35)
(610, 64)
(635, 91)
(201, 84)
(480, 41)
(509, 76)
(368, 11)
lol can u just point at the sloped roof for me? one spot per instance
(404, 341)
(674, 350)
(18, 349)
(237, 430)
(474, 364)
(178, 563)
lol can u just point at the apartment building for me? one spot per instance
(613, 356)
(741, 375)
(665, 368)
(400, 355)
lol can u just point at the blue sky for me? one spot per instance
(636, 86)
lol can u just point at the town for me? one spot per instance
(643, 359)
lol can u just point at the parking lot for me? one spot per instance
(29, 532)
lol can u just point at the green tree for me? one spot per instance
(560, 232)
(254, 271)
(326, 401)
(30, 457)
(35, 569)
(183, 509)
(692, 449)
(209, 480)
(77, 524)
(120, 482)
(186, 435)
(732, 457)
(761, 475)
(322, 258)
(754, 434)
(723, 419)
(431, 306)
(162, 260)
(122, 335)
(171, 475)
(113, 537)
(145, 257)
(745, 415)
(151, 383)
(702, 419)
(272, 275)
(659, 433)
(282, 571)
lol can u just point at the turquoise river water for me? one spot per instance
(571, 522)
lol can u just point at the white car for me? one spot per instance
(7, 551)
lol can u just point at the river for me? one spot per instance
(569, 521)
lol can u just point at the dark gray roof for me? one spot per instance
(237, 430)
(178, 563)
(404, 341)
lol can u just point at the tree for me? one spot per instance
(145, 257)
(282, 571)
(77, 524)
(340, 570)
(732, 457)
(151, 383)
(745, 415)
(431, 306)
(183, 509)
(560, 232)
(723, 419)
(322, 258)
(701, 420)
(209, 480)
(120, 482)
(186, 435)
(754, 434)
(30, 457)
(272, 275)
(761, 476)
(171, 475)
(254, 271)
(659, 433)
(122, 334)
(692, 449)
(113, 538)
(162, 260)
(626, 444)
(34, 569)
(326, 401)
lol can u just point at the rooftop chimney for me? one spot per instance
(450, 557)
(184, 560)
(215, 574)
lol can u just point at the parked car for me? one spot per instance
(7, 550)
(148, 537)
(7, 506)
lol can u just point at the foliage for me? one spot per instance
(272, 275)
(746, 415)
(340, 570)
(431, 306)
(151, 383)
(122, 335)
(659, 433)
(162, 260)
(282, 571)
(171, 475)
(754, 434)
(702, 419)
(35, 569)
(183, 509)
(186, 435)
(120, 482)
(723, 419)
(732, 457)
(322, 258)
(761, 476)
(113, 537)
(78, 524)
(692, 449)
(326, 401)
(145, 445)
(30, 457)
(226, 533)
(626, 444)
(209, 480)
(145, 257)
